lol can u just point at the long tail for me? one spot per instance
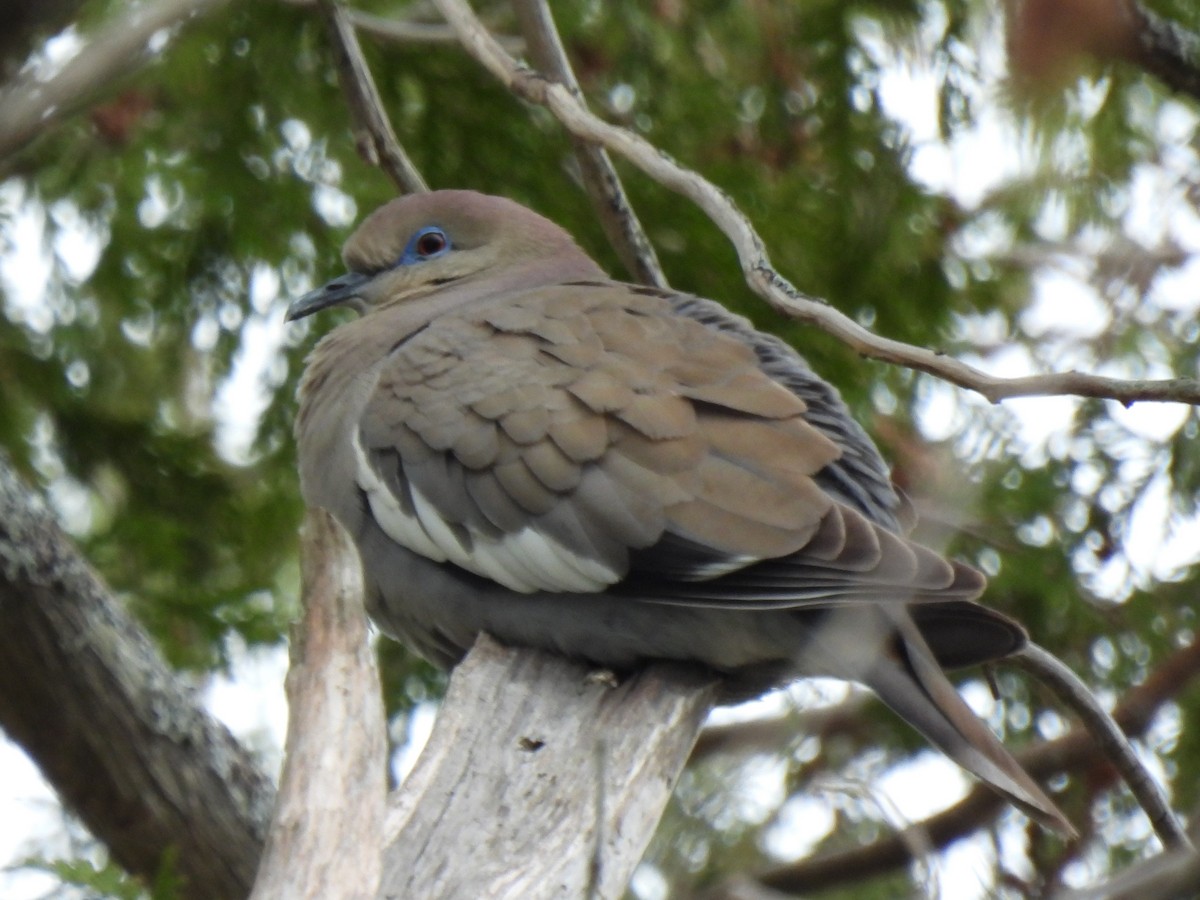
(911, 682)
(887, 653)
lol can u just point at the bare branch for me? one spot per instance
(31, 107)
(1072, 691)
(374, 136)
(403, 32)
(459, 794)
(123, 739)
(531, 760)
(617, 218)
(327, 831)
(756, 266)
(1071, 752)
(407, 31)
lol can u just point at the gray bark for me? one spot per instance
(540, 781)
(326, 832)
(121, 737)
(537, 781)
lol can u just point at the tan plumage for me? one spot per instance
(520, 445)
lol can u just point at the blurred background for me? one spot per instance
(1004, 181)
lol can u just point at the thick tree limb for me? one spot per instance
(30, 107)
(327, 830)
(120, 736)
(539, 781)
(376, 140)
(756, 266)
(520, 733)
(600, 179)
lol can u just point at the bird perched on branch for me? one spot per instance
(520, 445)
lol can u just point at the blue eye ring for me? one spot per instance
(428, 243)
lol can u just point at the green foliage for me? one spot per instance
(107, 881)
(233, 179)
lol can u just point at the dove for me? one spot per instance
(520, 445)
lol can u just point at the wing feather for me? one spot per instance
(588, 436)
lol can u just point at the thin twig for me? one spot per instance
(32, 106)
(1072, 751)
(756, 266)
(407, 31)
(600, 179)
(1055, 674)
(377, 142)
(402, 32)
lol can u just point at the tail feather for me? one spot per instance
(911, 682)
(887, 653)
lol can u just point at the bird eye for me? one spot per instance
(431, 244)
(425, 244)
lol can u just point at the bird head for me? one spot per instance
(421, 242)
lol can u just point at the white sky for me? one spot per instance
(252, 703)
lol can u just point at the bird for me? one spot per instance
(520, 445)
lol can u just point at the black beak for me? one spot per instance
(343, 288)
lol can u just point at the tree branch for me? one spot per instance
(756, 266)
(1048, 669)
(1071, 752)
(406, 31)
(123, 740)
(514, 736)
(327, 830)
(600, 179)
(31, 107)
(374, 136)
(539, 781)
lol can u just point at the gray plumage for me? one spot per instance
(520, 445)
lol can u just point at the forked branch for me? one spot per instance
(760, 274)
